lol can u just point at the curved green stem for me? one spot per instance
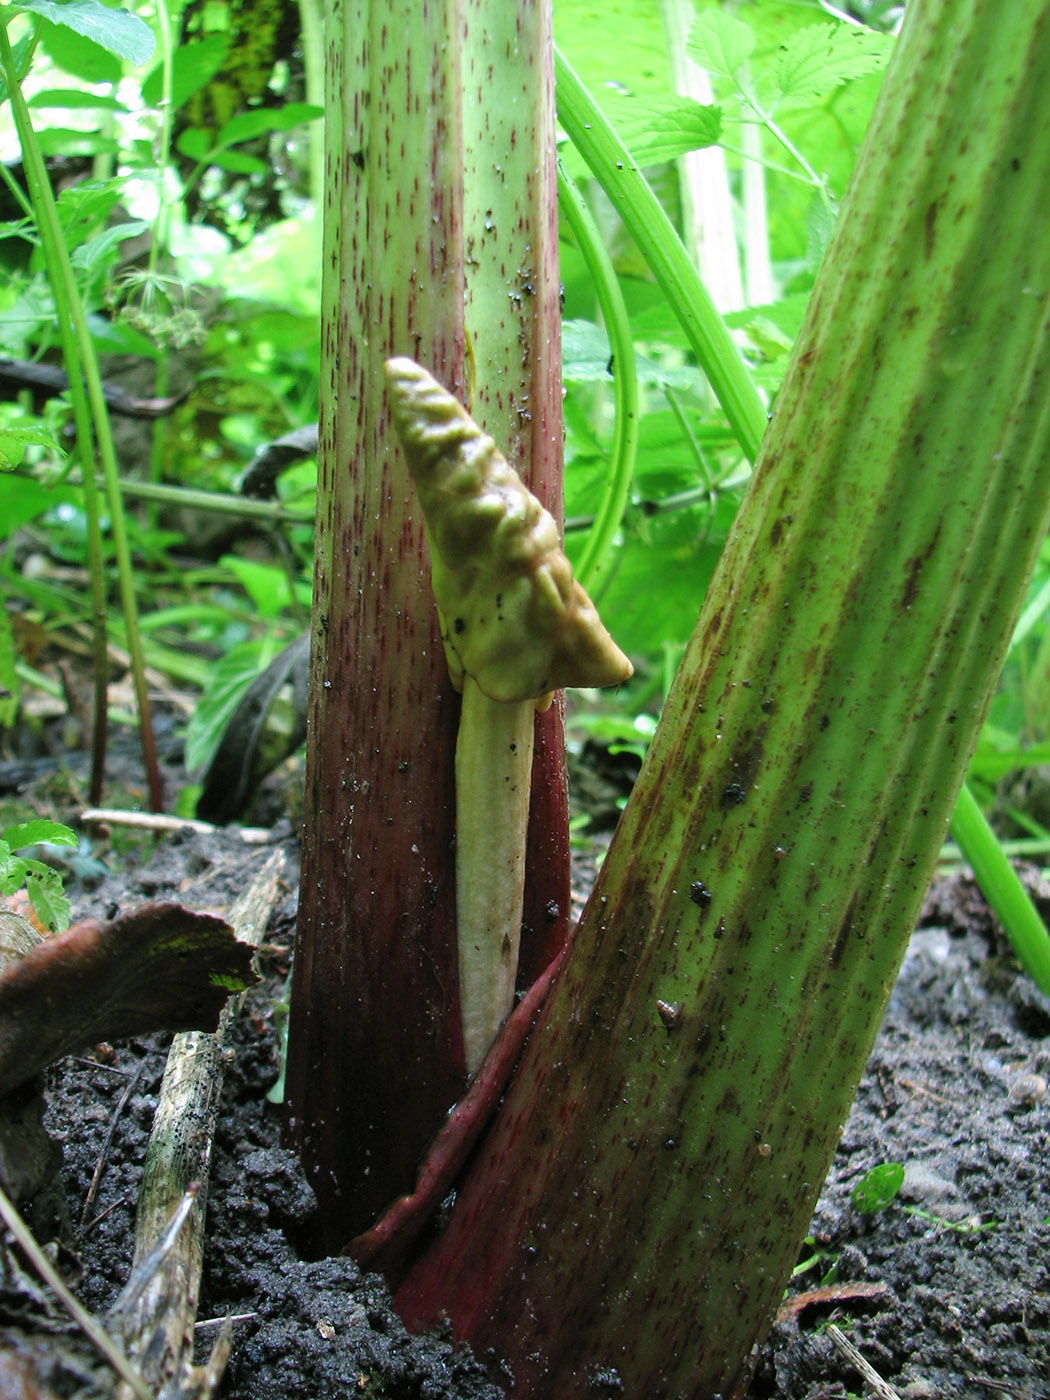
(593, 136)
(597, 555)
(1000, 886)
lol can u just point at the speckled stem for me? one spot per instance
(632, 1219)
(373, 997)
(375, 1050)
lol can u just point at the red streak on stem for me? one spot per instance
(386, 1245)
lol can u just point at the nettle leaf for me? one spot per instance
(23, 499)
(720, 43)
(50, 904)
(821, 57)
(586, 359)
(664, 128)
(193, 66)
(119, 32)
(24, 834)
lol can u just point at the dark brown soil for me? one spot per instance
(955, 1092)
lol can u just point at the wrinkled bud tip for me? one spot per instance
(513, 616)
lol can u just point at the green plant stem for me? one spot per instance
(89, 414)
(50, 235)
(1002, 889)
(162, 221)
(597, 556)
(594, 137)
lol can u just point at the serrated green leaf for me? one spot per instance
(192, 67)
(49, 901)
(67, 142)
(818, 59)
(664, 128)
(246, 126)
(720, 43)
(117, 31)
(33, 833)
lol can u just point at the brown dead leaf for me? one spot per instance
(155, 967)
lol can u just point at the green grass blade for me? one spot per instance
(1002, 889)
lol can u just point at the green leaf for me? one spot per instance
(664, 128)
(818, 59)
(33, 833)
(194, 143)
(79, 57)
(246, 126)
(585, 359)
(90, 254)
(720, 43)
(231, 676)
(48, 900)
(72, 98)
(193, 66)
(22, 500)
(877, 1188)
(65, 142)
(117, 31)
(238, 163)
(266, 584)
(14, 441)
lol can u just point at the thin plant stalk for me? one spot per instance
(594, 137)
(92, 421)
(998, 882)
(596, 561)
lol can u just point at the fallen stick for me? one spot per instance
(161, 821)
(158, 1308)
(843, 1344)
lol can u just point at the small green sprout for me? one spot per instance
(877, 1188)
(43, 884)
